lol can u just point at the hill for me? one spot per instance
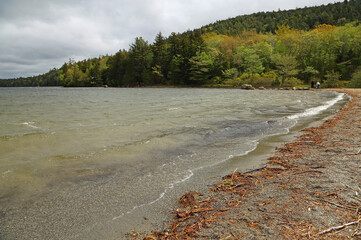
(337, 14)
(284, 48)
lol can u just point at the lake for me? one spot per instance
(88, 163)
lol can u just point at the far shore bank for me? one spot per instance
(309, 189)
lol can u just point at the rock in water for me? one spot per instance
(247, 87)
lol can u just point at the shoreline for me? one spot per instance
(309, 188)
(90, 206)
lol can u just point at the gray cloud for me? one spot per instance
(41, 34)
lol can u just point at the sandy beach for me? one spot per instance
(308, 189)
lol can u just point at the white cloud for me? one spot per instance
(41, 34)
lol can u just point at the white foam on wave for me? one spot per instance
(5, 173)
(170, 186)
(306, 113)
(254, 147)
(30, 124)
(189, 175)
(317, 110)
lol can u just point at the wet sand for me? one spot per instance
(309, 189)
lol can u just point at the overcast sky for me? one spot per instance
(38, 35)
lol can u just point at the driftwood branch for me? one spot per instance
(339, 227)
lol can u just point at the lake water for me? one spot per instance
(74, 161)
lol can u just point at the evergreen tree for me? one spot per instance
(159, 65)
(286, 66)
(139, 70)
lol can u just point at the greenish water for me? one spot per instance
(131, 148)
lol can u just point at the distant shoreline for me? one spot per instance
(183, 86)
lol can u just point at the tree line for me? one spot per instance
(307, 18)
(230, 53)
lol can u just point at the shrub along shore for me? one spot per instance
(309, 189)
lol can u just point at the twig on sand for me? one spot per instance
(226, 237)
(338, 227)
(337, 205)
(254, 170)
(233, 173)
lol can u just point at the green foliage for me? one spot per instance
(284, 48)
(252, 63)
(276, 83)
(231, 73)
(248, 61)
(309, 73)
(201, 67)
(332, 79)
(356, 79)
(264, 50)
(305, 18)
(115, 73)
(286, 66)
(265, 80)
(177, 72)
(292, 82)
(233, 82)
(139, 68)
(159, 61)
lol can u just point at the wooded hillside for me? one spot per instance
(284, 48)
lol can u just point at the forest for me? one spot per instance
(273, 49)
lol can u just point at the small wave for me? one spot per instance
(170, 186)
(182, 180)
(142, 205)
(255, 142)
(186, 178)
(253, 146)
(5, 173)
(317, 110)
(30, 124)
(285, 126)
(20, 135)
